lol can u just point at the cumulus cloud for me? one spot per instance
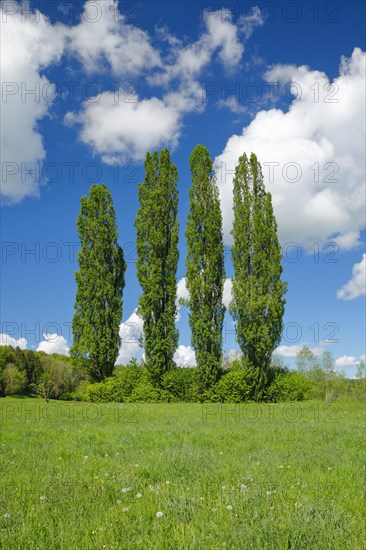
(130, 331)
(346, 361)
(123, 129)
(312, 156)
(54, 343)
(292, 351)
(185, 356)
(6, 340)
(28, 47)
(356, 286)
(122, 126)
(220, 37)
(104, 41)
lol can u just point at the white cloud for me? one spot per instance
(320, 137)
(220, 36)
(6, 340)
(185, 356)
(363, 357)
(232, 104)
(347, 241)
(122, 129)
(292, 351)
(346, 361)
(54, 343)
(182, 291)
(356, 286)
(104, 41)
(227, 294)
(27, 48)
(130, 331)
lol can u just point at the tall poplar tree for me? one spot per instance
(205, 274)
(157, 258)
(258, 292)
(100, 282)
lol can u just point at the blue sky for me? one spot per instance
(113, 80)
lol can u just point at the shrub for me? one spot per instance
(182, 383)
(236, 386)
(144, 391)
(14, 381)
(291, 386)
(118, 388)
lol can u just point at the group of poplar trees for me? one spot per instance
(257, 304)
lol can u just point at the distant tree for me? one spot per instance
(327, 365)
(361, 371)
(258, 292)
(157, 258)
(305, 360)
(14, 380)
(205, 274)
(100, 282)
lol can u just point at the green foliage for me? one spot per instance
(157, 258)
(118, 388)
(237, 386)
(205, 274)
(291, 386)
(44, 388)
(14, 380)
(145, 391)
(305, 360)
(59, 375)
(100, 282)
(183, 384)
(258, 292)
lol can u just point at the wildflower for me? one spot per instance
(167, 482)
(125, 489)
(159, 514)
(42, 498)
(124, 509)
(6, 516)
(137, 465)
(229, 507)
(243, 488)
(119, 501)
(202, 498)
(86, 457)
(139, 495)
(213, 509)
(268, 493)
(329, 467)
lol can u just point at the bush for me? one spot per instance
(182, 383)
(118, 388)
(237, 386)
(14, 381)
(291, 386)
(145, 391)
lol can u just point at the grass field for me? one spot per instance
(260, 476)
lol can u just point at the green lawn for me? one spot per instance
(80, 476)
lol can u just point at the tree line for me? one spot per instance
(257, 304)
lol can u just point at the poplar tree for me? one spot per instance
(157, 230)
(258, 292)
(100, 282)
(205, 274)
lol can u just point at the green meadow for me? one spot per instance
(182, 476)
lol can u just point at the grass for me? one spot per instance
(254, 476)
